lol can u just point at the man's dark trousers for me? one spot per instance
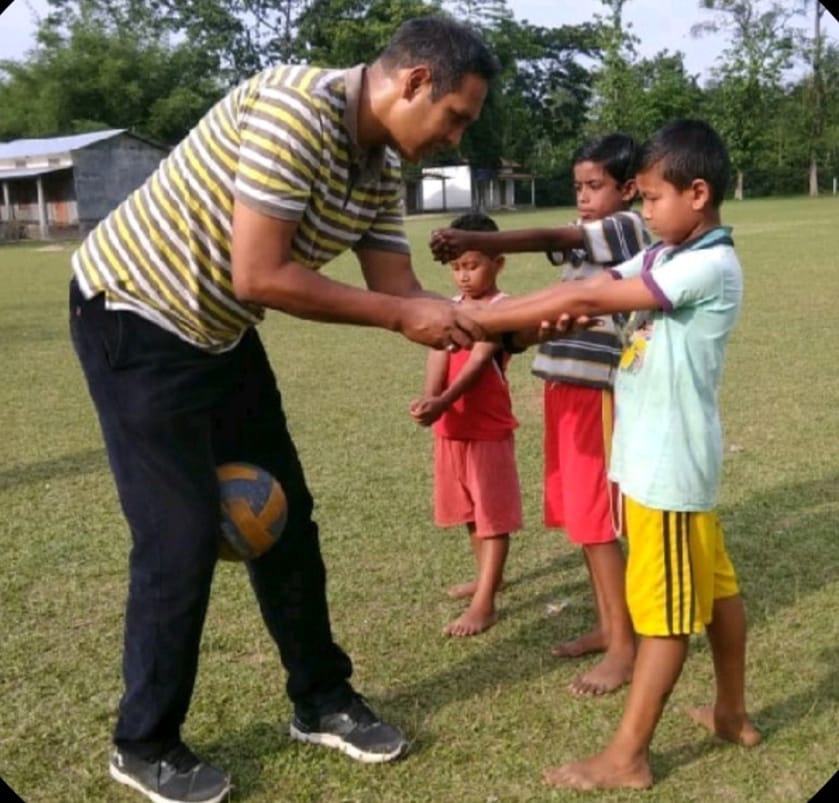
(170, 413)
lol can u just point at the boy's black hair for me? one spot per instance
(618, 154)
(474, 221)
(687, 150)
(450, 48)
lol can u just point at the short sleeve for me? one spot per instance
(632, 267)
(280, 145)
(689, 279)
(387, 232)
(614, 239)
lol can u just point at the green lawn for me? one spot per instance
(485, 714)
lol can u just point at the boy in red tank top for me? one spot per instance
(466, 400)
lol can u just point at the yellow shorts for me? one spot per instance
(677, 567)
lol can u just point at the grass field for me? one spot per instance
(485, 714)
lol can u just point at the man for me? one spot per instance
(292, 168)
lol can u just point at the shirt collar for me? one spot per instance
(370, 160)
(720, 235)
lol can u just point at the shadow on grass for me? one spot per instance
(83, 462)
(783, 546)
(248, 750)
(519, 580)
(770, 719)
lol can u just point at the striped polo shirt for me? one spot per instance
(284, 143)
(590, 357)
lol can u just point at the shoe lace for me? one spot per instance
(181, 758)
(359, 709)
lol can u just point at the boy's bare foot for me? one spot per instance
(593, 641)
(600, 772)
(737, 729)
(471, 623)
(463, 590)
(604, 677)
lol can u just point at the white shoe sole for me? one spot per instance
(135, 784)
(336, 742)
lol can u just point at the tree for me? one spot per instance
(85, 74)
(631, 95)
(815, 96)
(788, 161)
(238, 36)
(481, 14)
(665, 90)
(747, 85)
(615, 88)
(341, 33)
(548, 95)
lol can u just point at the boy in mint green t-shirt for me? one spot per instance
(667, 447)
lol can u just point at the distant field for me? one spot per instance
(486, 714)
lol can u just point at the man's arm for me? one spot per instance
(265, 273)
(392, 272)
(600, 295)
(449, 244)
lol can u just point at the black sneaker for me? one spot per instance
(178, 776)
(354, 730)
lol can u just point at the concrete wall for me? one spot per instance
(108, 171)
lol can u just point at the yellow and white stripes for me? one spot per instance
(278, 143)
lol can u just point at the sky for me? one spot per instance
(661, 25)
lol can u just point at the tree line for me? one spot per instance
(155, 66)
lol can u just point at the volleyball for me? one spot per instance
(254, 511)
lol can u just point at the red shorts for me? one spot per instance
(477, 481)
(578, 433)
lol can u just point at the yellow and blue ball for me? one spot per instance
(254, 511)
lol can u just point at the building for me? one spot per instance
(462, 187)
(65, 185)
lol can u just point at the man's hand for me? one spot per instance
(448, 244)
(437, 323)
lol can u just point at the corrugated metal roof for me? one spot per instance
(29, 172)
(22, 148)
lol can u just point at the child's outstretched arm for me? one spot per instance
(600, 295)
(449, 244)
